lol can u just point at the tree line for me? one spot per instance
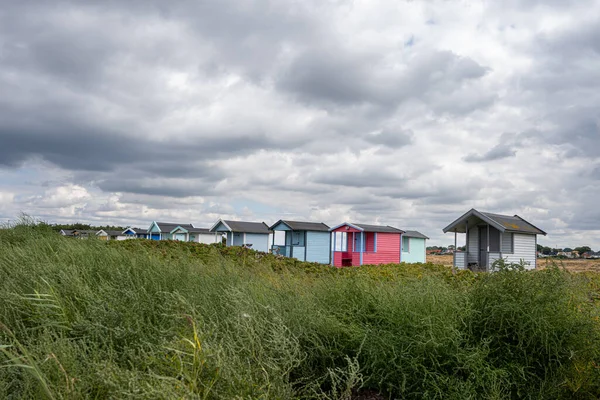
(550, 250)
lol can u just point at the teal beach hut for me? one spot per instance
(305, 241)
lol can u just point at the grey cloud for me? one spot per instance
(576, 129)
(497, 152)
(579, 42)
(118, 162)
(393, 139)
(60, 71)
(342, 77)
(359, 177)
(595, 173)
(191, 187)
(434, 195)
(84, 147)
(566, 84)
(227, 36)
(320, 75)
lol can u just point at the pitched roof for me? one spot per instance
(504, 223)
(243, 226)
(135, 230)
(67, 232)
(514, 223)
(84, 231)
(167, 227)
(303, 226)
(370, 228)
(379, 228)
(199, 230)
(414, 234)
(191, 230)
(110, 232)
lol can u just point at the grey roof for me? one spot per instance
(378, 228)
(111, 233)
(414, 234)
(198, 230)
(514, 223)
(245, 227)
(136, 230)
(501, 222)
(166, 227)
(84, 231)
(67, 232)
(192, 229)
(303, 226)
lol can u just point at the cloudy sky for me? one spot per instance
(375, 111)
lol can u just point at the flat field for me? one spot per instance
(440, 260)
(574, 265)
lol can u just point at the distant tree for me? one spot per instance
(82, 226)
(546, 250)
(567, 249)
(540, 248)
(582, 249)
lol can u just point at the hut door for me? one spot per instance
(483, 243)
(483, 246)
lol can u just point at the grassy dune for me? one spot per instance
(148, 320)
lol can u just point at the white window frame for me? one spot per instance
(342, 238)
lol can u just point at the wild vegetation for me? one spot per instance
(152, 320)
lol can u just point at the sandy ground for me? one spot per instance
(577, 265)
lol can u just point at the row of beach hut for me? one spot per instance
(488, 237)
(347, 244)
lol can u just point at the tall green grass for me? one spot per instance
(148, 320)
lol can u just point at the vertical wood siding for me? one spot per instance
(238, 239)
(259, 241)
(370, 241)
(180, 236)
(298, 252)
(318, 247)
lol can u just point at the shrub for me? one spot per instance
(143, 319)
